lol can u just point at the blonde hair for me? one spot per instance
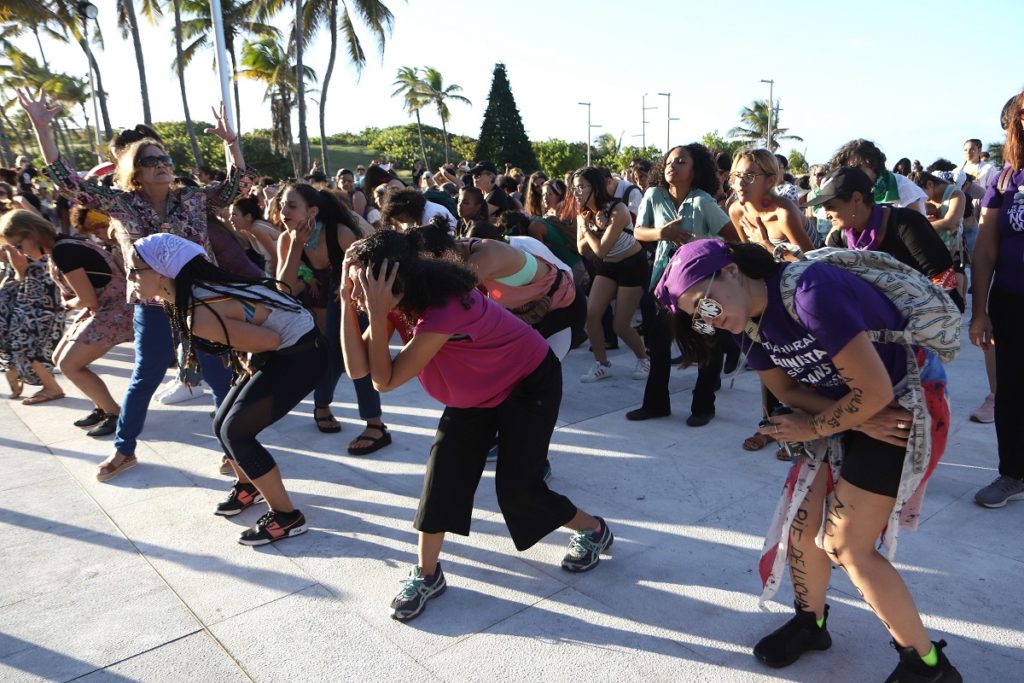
(762, 159)
(127, 163)
(21, 224)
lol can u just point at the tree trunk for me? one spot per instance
(444, 134)
(196, 154)
(60, 137)
(5, 147)
(42, 52)
(423, 149)
(234, 84)
(133, 22)
(67, 136)
(301, 91)
(100, 94)
(333, 18)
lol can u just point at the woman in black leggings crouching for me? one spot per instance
(275, 338)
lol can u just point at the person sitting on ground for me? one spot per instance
(497, 379)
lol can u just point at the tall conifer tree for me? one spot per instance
(502, 136)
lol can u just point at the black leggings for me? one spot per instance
(1008, 329)
(255, 403)
(523, 423)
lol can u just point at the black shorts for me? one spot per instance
(872, 465)
(630, 272)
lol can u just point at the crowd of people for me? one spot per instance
(265, 290)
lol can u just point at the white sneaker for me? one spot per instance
(642, 368)
(986, 412)
(181, 393)
(597, 372)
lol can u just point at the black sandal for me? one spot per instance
(375, 443)
(327, 424)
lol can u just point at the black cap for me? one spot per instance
(842, 181)
(316, 177)
(484, 167)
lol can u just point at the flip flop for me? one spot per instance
(16, 385)
(376, 443)
(41, 397)
(757, 442)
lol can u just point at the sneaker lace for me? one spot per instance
(265, 519)
(582, 544)
(412, 587)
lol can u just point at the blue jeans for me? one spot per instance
(154, 349)
(367, 397)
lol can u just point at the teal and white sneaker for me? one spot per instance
(416, 590)
(585, 548)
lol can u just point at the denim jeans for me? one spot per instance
(154, 349)
(367, 397)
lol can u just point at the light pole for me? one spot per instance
(771, 92)
(590, 127)
(643, 120)
(668, 119)
(88, 12)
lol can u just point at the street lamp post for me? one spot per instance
(590, 127)
(668, 119)
(643, 120)
(88, 12)
(771, 92)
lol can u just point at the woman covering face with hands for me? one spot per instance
(498, 380)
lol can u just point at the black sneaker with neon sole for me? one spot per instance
(912, 668)
(585, 548)
(800, 634)
(273, 527)
(416, 590)
(241, 497)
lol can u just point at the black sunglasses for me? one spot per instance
(155, 160)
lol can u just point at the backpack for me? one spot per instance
(933, 320)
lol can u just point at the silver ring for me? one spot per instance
(901, 425)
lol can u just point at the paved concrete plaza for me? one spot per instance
(135, 579)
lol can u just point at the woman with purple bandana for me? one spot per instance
(840, 384)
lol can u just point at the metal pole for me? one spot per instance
(589, 128)
(92, 92)
(223, 67)
(643, 120)
(771, 92)
(668, 120)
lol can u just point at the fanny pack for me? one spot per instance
(533, 312)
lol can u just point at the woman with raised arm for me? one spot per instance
(497, 378)
(143, 204)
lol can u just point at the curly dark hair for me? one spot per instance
(704, 169)
(332, 213)
(755, 262)
(423, 281)
(407, 203)
(859, 150)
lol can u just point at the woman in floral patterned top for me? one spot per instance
(145, 204)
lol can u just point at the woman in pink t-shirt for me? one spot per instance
(496, 377)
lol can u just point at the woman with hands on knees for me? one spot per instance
(821, 362)
(145, 203)
(496, 377)
(283, 358)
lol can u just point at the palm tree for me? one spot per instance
(266, 61)
(129, 25)
(237, 23)
(755, 126)
(179, 66)
(438, 93)
(410, 88)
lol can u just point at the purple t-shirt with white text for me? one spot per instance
(1009, 273)
(834, 306)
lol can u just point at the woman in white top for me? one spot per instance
(279, 354)
(604, 230)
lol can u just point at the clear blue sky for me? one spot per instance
(918, 78)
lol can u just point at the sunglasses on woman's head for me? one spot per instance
(153, 161)
(707, 309)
